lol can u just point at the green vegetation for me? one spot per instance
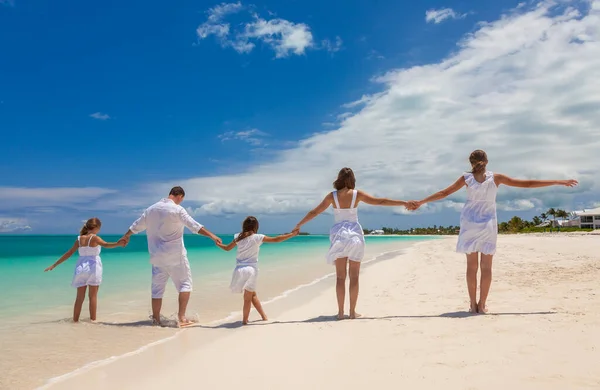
(514, 225)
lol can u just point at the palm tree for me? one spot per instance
(562, 214)
(552, 213)
(537, 221)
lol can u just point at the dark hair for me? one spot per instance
(249, 227)
(90, 224)
(177, 191)
(478, 160)
(345, 179)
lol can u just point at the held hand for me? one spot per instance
(220, 245)
(413, 205)
(125, 240)
(217, 240)
(122, 242)
(568, 183)
(50, 268)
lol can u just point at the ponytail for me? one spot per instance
(89, 225)
(478, 160)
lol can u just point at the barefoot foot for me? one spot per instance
(482, 308)
(355, 315)
(473, 308)
(340, 316)
(183, 322)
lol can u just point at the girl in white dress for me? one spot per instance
(245, 274)
(478, 221)
(347, 243)
(88, 270)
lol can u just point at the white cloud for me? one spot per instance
(520, 87)
(282, 36)
(100, 116)
(439, 15)
(332, 46)
(253, 137)
(23, 197)
(13, 225)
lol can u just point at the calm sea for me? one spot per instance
(25, 289)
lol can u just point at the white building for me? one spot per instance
(377, 232)
(588, 219)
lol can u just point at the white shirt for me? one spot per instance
(247, 249)
(165, 222)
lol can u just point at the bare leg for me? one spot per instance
(258, 307)
(184, 298)
(247, 306)
(354, 269)
(340, 285)
(156, 306)
(472, 267)
(93, 297)
(79, 303)
(486, 281)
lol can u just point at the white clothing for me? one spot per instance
(478, 220)
(346, 235)
(248, 248)
(181, 274)
(245, 274)
(88, 269)
(164, 222)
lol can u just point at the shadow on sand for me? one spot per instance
(169, 323)
(333, 318)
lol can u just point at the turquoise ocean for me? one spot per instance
(26, 289)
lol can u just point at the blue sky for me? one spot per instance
(254, 106)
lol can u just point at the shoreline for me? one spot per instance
(296, 294)
(415, 331)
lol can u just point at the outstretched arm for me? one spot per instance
(197, 227)
(316, 211)
(281, 238)
(368, 199)
(138, 226)
(64, 257)
(457, 185)
(204, 232)
(228, 247)
(105, 244)
(509, 181)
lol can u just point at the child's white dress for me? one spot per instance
(478, 220)
(88, 269)
(346, 235)
(245, 274)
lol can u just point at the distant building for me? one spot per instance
(377, 232)
(587, 219)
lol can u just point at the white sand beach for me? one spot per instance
(542, 331)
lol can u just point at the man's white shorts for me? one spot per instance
(181, 274)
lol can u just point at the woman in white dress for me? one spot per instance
(478, 221)
(245, 274)
(347, 243)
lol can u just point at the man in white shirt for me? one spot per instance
(164, 223)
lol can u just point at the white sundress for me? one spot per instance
(88, 269)
(478, 220)
(346, 235)
(245, 274)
